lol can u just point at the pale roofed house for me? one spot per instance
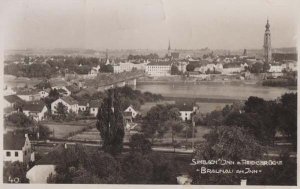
(186, 110)
(83, 105)
(133, 113)
(17, 147)
(94, 71)
(39, 173)
(8, 91)
(29, 95)
(44, 93)
(35, 110)
(94, 106)
(70, 103)
(11, 101)
(45, 167)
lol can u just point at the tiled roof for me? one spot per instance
(82, 102)
(160, 63)
(69, 100)
(13, 98)
(95, 103)
(13, 141)
(184, 106)
(28, 92)
(34, 107)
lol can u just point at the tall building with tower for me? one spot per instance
(267, 44)
(171, 54)
(169, 49)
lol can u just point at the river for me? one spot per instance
(214, 90)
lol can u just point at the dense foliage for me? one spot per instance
(84, 165)
(160, 119)
(234, 143)
(262, 118)
(110, 123)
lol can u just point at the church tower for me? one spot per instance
(267, 44)
(169, 49)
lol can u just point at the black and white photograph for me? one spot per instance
(149, 92)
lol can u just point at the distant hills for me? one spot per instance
(123, 53)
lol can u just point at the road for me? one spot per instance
(154, 148)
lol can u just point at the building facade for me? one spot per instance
(159, 68)
(17, 147)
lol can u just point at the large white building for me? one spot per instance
(160, 68)
(128, 66)
(276, 68)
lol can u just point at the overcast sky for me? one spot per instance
(147, 24)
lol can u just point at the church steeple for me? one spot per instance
(169, 49)
(267, 44)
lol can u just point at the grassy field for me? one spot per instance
(167, 139)
(63, 129)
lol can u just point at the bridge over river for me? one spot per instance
(106, 81)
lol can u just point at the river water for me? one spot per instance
(214, 90)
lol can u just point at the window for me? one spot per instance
(16, 154)
(25, 153)
(8, 154)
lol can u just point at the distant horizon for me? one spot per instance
(173, 49)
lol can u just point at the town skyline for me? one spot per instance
(83, 26)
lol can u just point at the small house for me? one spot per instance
(17, 147)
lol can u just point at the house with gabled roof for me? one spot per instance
(12, 101)
(131, 112)
(186, 109)
(17, 147)
(70, 103)
(83, 105)
(44, 167)
(35, 110)
(29, 94)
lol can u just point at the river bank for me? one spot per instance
(193, 80)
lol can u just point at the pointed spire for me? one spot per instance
(169, 48)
